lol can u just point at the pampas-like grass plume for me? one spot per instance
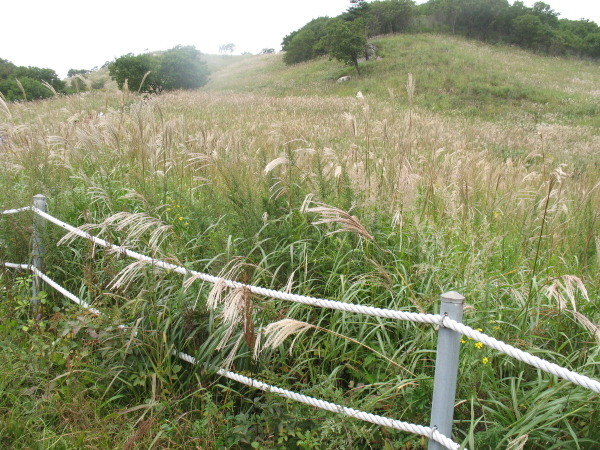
(347, 222)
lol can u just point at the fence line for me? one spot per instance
(444, 322)
(311, 301)
(429, 432)
(434, 319)
(433, 433)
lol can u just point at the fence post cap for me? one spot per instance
(39, 196)
(453, 297)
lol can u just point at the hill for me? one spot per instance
(452, 75)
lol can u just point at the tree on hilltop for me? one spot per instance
(182, 68)
(303, 44)
(74, 72)
(140, 71)
(345, 41)
(178, 68)
(227, 48)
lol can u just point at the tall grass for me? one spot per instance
(353, 199)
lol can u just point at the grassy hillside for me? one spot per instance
(482, 178)
(452, 76)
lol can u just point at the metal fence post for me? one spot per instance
(446, 369)
(37, 253)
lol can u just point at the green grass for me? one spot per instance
(485, 184)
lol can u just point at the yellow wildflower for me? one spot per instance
(478, 345)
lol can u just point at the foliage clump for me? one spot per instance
(27, 83)
(178, 68)
(537, 28)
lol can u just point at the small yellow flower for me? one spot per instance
(180, 218)
(496, 328)
(168, 209)
(480, 330)
(485, 360)
(462, 341)
(478, 345)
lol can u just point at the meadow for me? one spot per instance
(459, 166)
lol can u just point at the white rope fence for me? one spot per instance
(312, 301)
(434, 319)
(53, 284)
(428, 432)
(522, 356)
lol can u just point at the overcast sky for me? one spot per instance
(67, 34)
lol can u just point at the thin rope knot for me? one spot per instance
(442, 323)
(433, 430)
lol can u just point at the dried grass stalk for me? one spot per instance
(347, 222)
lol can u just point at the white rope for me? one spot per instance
(327, 406)
(312, 301)
(53, 284)
(528, 358)
(361, 415)
(15, 211)
(525, 357)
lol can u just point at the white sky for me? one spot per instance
(65, 34)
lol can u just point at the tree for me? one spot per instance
(478, 17)
(178, 68)
(267, 51)
(31, 81)
(134, 68)
(34, 89)
(345, 41)
(227, 48)
(73, 72)
(182, 68)
(391, 16)
(303, 44)
(591, 45)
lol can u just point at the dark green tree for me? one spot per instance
(182, 67)
(345, 41)
(390, 16)
(303, 44)
(32, 80)
(6, 68)
(178, 68)
(73, 72)
(531, 32)
(134, 68)
(591, 45)
(39, 74)
(34, 89)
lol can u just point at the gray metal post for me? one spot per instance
(446, 369)
(37, 253)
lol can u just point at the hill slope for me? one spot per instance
(452, 75)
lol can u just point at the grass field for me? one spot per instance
(459, 167)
